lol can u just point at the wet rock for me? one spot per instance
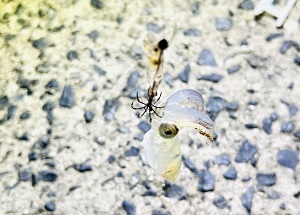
(144, 126)
(288, 158)
(215, 78)
(223, 24)
(83, 167)
(274, 195)
(25, 115)
(247, 199)
(273, 36)
(233, 69)
(94, 35)
(110, 108)
(174, 191)
(246, 5)
(24, 175)
(72, 55)
(250, 126)
(4, 101)
(88, 116)
(223, 159)
(206, 181)
(100, 71)
(129, 207)
(184, 75)
(67, 98)
(98, 4)
(214, 105)
(42, 68)
(297, 134)
(297, 61)
(266, 179)
(232, 106)
(32, 156)
(206, 58)
(40, 44)
(287, 127)
(245, 152)
(267, 125)
(286, 45)
(195, 32)
(231, 174)
(133, 151)
(50, 206)
(151, 26)
(188, 163)
(220, 202)
(47, 175)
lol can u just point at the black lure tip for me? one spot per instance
(163, 44)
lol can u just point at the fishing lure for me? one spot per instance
(162, 148)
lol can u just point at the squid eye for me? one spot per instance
(167, 130)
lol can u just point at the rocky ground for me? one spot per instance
(70, 142)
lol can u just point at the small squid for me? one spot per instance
(162, 148)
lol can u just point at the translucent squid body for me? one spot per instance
(162, 148)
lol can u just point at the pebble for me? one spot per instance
(40, 44)
(254, 160)
(88, 116)
(195, 32)
(266, 179)
(246, 5)
(43, 142)
(110, 108)
(223, 159)
(223, 24)
(188, 163)
(215, 78)
(288, 158)
(4, 101)
(24, 175)
(32, 156)
(25, 115)
(231, 174)
(168, 79)
(42, 68)
(94, 35)
(287, 127)
(100, 71)
(233, 69)
(206, 181)
(174, 191)
(132, 80)
(247, 199)
(149, 193)
(250, 126)
(253, 102)
(98, 4)
(67, 98)
(11, 111)
(214, 105)
(232, 106)
(184, 75)
(293, 109)
(50, 206)
(297, 61)
(47, 175)
(255, 61)
(297, 134)
(282, 206)
(245, 152)
(297, 194)
(151, 26)
(273, 36)
(144, 126)
(34, 180)
(72, 55)
(83, 167)
(267, 125)
(220, 202)
(206, 58)
(159, 212)
(129, 207)
(286, 45)
(195, 8)
(244, 42)
(24, 136)
(245, 179)
(133, 151)
(274, 116)
(274, 195)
